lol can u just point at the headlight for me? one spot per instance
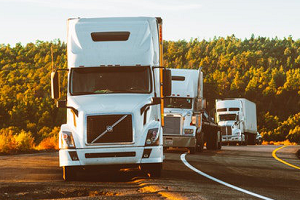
(67, 140)
(188, 131)
(152, 137)
(194, 120)
(238, 132)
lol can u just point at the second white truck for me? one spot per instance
(187, 124)
(237, 119)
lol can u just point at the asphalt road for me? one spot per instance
(251, 171)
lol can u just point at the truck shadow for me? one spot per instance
(110, 175)
(185, 150)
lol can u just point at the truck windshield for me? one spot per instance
(227, 117)
(175, 102)
(103, 80)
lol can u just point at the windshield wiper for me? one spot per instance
(82, 93)
(103, 91)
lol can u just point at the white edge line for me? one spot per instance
(219, 181)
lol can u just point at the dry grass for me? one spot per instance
(12, 140)
(286, 143)
(48, 143)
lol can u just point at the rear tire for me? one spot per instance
(220, 140)
(212, 141)
(251, 139)
(192, 150)
(69, 173)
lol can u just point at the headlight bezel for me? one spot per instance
(152, 138)
(67, 140)
(188, 131)
(193, 120)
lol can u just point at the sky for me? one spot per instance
(30, 20)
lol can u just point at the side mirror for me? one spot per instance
(200, 104)
(55, 90)
(204, 104)
(237, 117)
(167, 82)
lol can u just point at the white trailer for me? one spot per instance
(115, 95)
(237, 119)
(187, 124)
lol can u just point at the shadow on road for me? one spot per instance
(111, 175)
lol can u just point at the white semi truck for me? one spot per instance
(116, 85)
(237, 119)
(187, 124)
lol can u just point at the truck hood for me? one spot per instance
(109, 103)
(226, 123)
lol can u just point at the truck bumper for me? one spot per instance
(231, 139)
(110, 156)
(179, 141)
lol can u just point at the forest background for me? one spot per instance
(263, 70)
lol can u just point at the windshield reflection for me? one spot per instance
(104, 80)
(175, 102)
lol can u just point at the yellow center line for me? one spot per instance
(280, 160)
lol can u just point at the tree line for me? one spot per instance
(263, 70)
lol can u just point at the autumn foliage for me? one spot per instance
(263, 70)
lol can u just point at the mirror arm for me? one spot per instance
(74, 110)
(62, 104)
(144, 108)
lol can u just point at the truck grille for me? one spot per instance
(226, 130)
(112, 128)
(172, 125)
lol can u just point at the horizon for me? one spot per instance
(26, 21)
(192, 39)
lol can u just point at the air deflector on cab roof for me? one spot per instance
(110, 36)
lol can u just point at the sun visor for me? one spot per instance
(112, 41)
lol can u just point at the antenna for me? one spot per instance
(52, 66)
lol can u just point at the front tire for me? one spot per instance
(200, 142)
(245, 142)
(69, 173)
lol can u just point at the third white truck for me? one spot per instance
(237, 119)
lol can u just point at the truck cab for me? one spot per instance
(229, 118)
(114, 95)
(180, 120)
(237, 119)
(187, 124)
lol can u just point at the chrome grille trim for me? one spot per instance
(173, 125)
(109, 129)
